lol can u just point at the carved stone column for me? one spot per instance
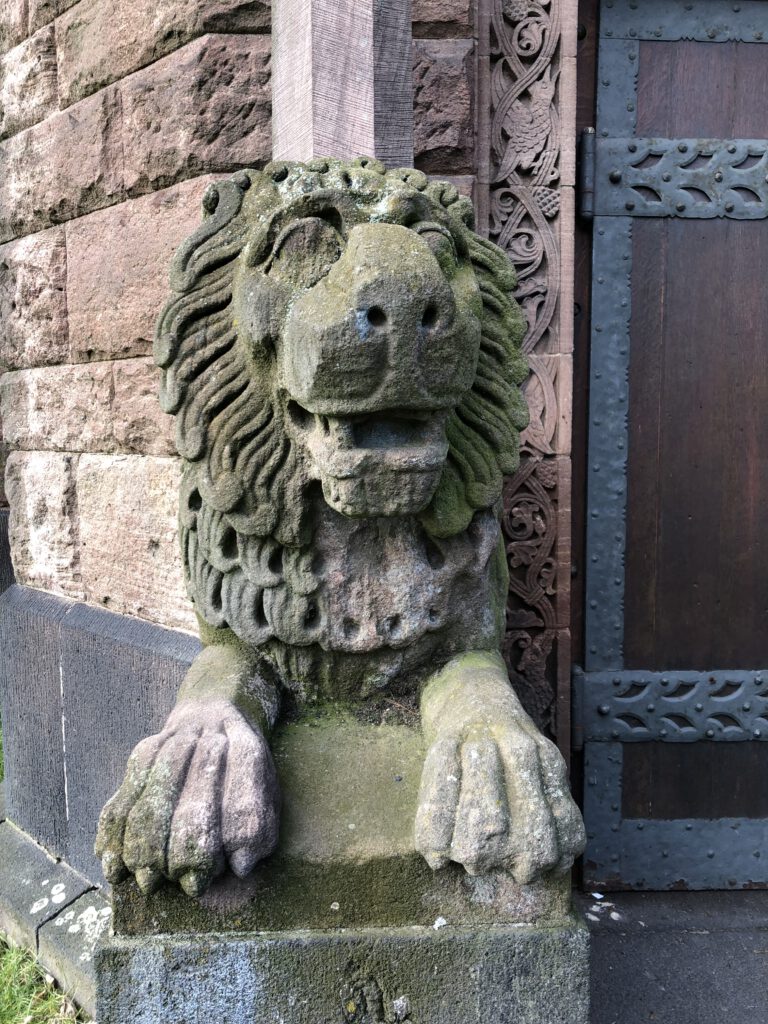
(526, 112)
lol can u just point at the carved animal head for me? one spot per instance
(336, 323)
(340, 323)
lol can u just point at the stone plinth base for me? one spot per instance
(527, 974)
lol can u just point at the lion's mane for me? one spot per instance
(244, 502)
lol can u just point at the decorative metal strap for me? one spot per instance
(695, 178)
(672, 706)
(709, 21)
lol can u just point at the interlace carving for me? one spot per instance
(529, 528)
(524, 206)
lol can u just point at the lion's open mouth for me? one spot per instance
(374, 463)
(412, 440)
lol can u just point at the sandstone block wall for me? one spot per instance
(114, 117)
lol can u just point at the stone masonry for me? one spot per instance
(113, 120)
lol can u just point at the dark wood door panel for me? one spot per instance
(705, 781)
(697, 530)
(690, 89)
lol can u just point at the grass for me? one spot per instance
(27, 994)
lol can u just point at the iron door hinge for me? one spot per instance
(577, 708)
(587, 150)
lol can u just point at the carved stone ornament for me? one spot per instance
(524, 208)
(342, 356)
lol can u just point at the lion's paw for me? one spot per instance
(200, 795)
(496, 796)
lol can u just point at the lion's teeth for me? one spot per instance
(341, 432)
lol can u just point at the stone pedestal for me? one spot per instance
(346, 922)
(496, 975)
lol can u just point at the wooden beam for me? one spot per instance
(342, 81)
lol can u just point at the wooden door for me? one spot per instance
(672, 701)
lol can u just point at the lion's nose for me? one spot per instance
(429, 312)
(365, 328)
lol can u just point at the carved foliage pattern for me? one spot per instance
(523, 211)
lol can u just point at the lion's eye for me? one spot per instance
(305, 251)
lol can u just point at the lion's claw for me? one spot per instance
(201, 794)
(148, 879)
(496, 796)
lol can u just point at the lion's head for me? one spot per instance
(340, 323)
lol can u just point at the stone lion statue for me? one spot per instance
(342, 356)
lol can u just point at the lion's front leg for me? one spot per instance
(494, 791)
(202, 794)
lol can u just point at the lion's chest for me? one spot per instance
(384, 583)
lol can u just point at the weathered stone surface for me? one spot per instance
(342, 80)
(212, 100)
(66, 166)
(13, 23)
(43, 521)
(80, 396)
(28, 91)
(33, 886)
(138, 424)
(145, 665)
(443, 126)
(498, 975)
(67, 945)
(30, 704)
(118, 270)
(101, 41)
(100, 407)
(43, 11)
(353, 590)
(465, 183)
(443, 17)
(59, 658)
(128, 537)
(204, 108)
(33, 303)
(346, 857)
